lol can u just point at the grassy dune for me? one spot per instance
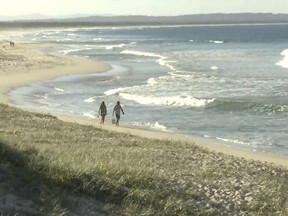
(66, 168)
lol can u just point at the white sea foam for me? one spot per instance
(115, 91)
(166, 63)
(284, 63)
(59, 89)
(160, 59)
(41, 96)
(155, 125)
(64, 39)
(89, 115)
(107, 47)
(216, 42)
(46, 37)
(152, 81)
(214, 67)
(115, 78)
(110, 47)
(66, 52)
(182, 74)
(176, 101)
(90, 100)
(140, 53)
(233, 141)
(87, 47)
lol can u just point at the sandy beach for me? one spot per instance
(24, 64)
(241, 180)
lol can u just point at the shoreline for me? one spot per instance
(23, 65)
(247, 154)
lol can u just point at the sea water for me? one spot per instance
(228, 83)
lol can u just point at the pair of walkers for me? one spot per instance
(116, 110)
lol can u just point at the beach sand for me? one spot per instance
(24, 64)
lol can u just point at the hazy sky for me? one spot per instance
(139, 7)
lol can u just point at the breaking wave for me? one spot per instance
(254, 107)
(176, 101)
(284, 63)
(162, 60)
(155, 125)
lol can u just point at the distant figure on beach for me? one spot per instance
(12, 43)
(103, 112)
(117, 110)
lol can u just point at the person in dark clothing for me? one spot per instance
(117, 110)
(103, 112)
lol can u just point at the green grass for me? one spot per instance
(45, 158)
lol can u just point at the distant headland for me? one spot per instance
(197, 19)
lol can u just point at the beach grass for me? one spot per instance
(53, 163)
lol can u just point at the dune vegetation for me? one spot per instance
(48, 166)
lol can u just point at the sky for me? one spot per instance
(139, 7)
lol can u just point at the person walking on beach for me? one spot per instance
(103, 112)
(117, 110)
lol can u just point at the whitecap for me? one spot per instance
(216, 42)
(166, 63)
(47, 37)
(110, 47)
(64, 39)
(115, 91)
(66, 52)
(176, 101)
(41, 96)
(283, 63)
(90, 100)
(214, 67)
(140, 53)
(59, 89)
(160, 59)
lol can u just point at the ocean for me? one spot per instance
(224, 83)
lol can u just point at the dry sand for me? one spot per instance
(23, 64)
